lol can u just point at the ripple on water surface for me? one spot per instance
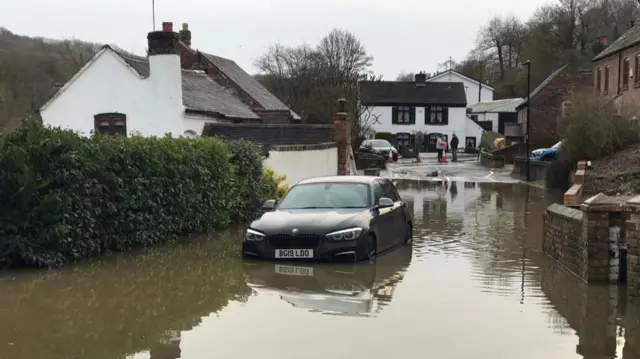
(473, 284)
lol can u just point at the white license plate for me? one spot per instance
(294, 253)
(294, 270)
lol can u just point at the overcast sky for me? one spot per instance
(402, 35)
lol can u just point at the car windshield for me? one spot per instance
(557, 145)
(326, 195)
(380, 143)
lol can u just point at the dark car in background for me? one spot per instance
(379, 147)
(351, 218)
(344, 289)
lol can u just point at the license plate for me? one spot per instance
(293, 270)
(294, 253)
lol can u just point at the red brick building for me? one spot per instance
(616, 67)
(548, 102)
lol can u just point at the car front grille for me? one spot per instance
(290, 241)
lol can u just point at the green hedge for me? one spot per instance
(64, 197)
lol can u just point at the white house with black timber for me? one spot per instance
(406, 108)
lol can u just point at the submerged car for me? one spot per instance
(547, 154)
(379, 147)
(351, 218)
(336, 289)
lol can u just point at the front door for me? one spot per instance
(397, 213)
(470, 142)
(384, 220)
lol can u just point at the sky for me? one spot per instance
(401, 35)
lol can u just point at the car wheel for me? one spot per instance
(409, 235)
(371, 250)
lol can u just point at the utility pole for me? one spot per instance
(526, 139)
(153, 13)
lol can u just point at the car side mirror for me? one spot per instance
(269, 204)
(385, 202)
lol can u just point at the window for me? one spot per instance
(326, 195)
(625, 74)
(380, 144)
(389, 191)
(436, 115)
(566, 106)
(403, 115)
(636, 71)
(190, 134)
(378, 192)
(111, 124)
(403, 139)
(599, 78)
(606, 79)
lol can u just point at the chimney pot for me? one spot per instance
(167, 27)
(603, 40)
(420, 79)
(185, 34)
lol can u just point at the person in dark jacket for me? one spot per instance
(454, 148)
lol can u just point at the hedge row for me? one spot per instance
(64, 197)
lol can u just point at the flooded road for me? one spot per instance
(474, 284)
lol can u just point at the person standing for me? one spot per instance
(439, 148)
(454, 148)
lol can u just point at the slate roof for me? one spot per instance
(199, 91)
(247, 82)
(489, 106)
(628, 39)
(542, 85)
(407, 93)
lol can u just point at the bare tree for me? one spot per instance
(405, 76)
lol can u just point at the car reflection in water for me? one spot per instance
(358, 289)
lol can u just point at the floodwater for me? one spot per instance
(474, 284)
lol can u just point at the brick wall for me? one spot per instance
(546, 105)
(273, 134)
(563, 240)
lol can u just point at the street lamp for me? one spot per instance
(526, 139)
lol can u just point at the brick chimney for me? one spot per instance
(420, 79)
(600, 44)
(185, 34)
(342, 137)
(165, 72)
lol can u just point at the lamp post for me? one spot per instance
(526, 139)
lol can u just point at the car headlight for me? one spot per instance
(348, 234)
(253, 236)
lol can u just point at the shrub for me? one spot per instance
(64, 197)
(595, 127)
(275, 189)
(247, 159)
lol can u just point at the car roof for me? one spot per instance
(334, 179)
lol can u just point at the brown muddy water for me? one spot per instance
(474, 284)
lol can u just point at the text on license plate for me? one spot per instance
(294, 253)
(294, 270)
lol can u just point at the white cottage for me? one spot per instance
(405, 108)
(122, 94)
(493, 115)
(475, 90)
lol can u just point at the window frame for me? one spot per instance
(636, 71)
(626, 67)
(607, 72)
(442, 110)
(406, 112)
(599, 79)
(113, 130)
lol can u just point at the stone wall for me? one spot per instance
(563, 240)
(538, 169)
(573, 196)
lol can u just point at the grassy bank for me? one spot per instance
(64, 197)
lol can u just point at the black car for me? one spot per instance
(331, 218)
(355, 289)
(379, 147)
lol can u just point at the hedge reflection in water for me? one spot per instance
(118, 305)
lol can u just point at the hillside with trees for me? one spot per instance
(30, 67)
(562, 32)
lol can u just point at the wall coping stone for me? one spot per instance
(566, 212)
(312, 147)
(601, 203)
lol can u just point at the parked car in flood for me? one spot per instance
(379, 147)
(351, 218)
(343, 289)
(547, 154)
